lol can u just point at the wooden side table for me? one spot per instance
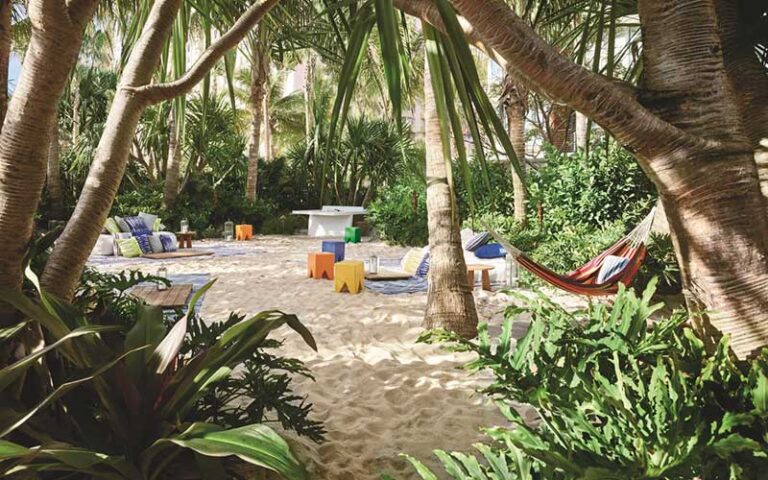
(486, 277)
(173, 297)
(185, 239)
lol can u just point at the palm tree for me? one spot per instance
(6, 12)
(450, 303)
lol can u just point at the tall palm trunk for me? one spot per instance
(53, 175)
(309, 95)
(6, 8)
(450, 303)
(76, 108)
(57, 33)
(515, 97)
(172, 171)
(559, 122)
(260, 53)
(134, 94)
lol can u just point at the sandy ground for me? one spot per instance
(378, 391)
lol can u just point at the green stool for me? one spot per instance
(352, 235)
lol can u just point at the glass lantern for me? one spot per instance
(184, 226)
(229, 231)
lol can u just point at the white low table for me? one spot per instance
(331, 220)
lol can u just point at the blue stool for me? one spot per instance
(334, 247)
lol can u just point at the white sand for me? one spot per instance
(379, 393)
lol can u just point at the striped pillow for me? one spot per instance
(144, 243)
(411, 261)
(477, 241)
(129, 247)
(112, 226)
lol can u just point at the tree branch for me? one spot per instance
(81, 11)
(164, 91)
(493, 26)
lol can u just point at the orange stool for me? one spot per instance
(320, 265)
(243, 232)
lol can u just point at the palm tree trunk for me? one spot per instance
(309, 95)
(134, 94)
(516, 105)
(450, 303)
(171, 187)
(24, 142)
(76, 108)
(6, 9)
(65, 265)
(53, 176)
(266, 126)
(260, 53)
(559, 121)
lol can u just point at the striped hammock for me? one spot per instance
(584, 280)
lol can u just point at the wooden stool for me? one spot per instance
(486, 277)
(320, 265)
(352, 235)
(335, 247)
(185, 239)
(349, 275)
(243, 232)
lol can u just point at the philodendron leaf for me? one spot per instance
(255, 444)
(148, 330)
(168, 349)
(12, 372)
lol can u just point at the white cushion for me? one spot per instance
(149, 220)
(155, 243)
(104, 245)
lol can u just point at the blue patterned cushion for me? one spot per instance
(168, 244)
(612, 266)
(477, 241)
(423, 268)
(491, 250)
(144, 243)
(137, 225)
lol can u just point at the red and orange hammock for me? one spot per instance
(584, 280)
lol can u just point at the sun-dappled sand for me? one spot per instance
(378, 391)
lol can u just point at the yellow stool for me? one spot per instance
(349, 275)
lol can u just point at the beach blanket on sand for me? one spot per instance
(398, 287)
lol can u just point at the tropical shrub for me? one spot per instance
(616, 396)
(126, 399)
(399, 214)
(596, 189)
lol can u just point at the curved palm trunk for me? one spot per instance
(6, 8)
(57, 34)
(53, 175)
(172, 171)
(259, 80)
(73, 247)
(450, 303)
(516, 106)
(135, 93)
